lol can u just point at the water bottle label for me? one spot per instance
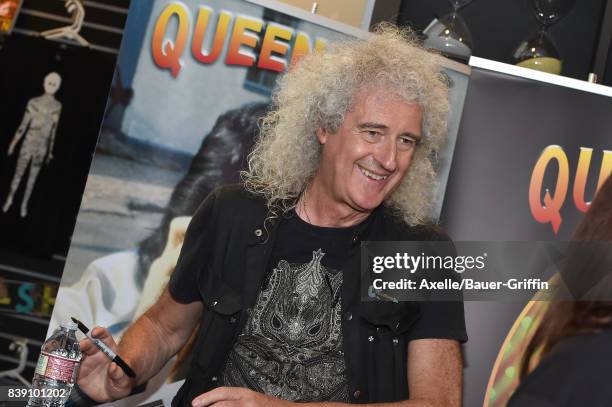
(56, 367)
(41, 366)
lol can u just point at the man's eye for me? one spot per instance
(406, 143)
(372, 134)
(409, 141)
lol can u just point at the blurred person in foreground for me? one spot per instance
(270, 268)
(567, 363)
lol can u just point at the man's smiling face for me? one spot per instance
(369, 155)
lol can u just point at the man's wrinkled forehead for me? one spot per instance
(380, 94)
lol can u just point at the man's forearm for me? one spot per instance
(144, 348)
(158, 335)
(247, 397)
(403, 403)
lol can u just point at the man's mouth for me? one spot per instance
(373, 176)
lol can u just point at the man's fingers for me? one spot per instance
(233, 403)
(115, 372)
(87, 347)
(101, 333)
(118, 376)
(217, 395)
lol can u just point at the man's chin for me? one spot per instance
(367, 205)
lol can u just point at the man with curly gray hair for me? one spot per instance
(315, 97)
(270, 269)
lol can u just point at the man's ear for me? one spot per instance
(322, 135)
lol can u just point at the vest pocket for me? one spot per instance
(386, 326)
(397, 318)
(220, 321)
(217, 294)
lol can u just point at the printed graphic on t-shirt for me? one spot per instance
(291, 346)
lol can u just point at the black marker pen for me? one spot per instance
(105, 349)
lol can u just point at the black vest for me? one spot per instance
(229, 248)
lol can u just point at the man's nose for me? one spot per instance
(386, 154)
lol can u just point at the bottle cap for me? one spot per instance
(69, 325)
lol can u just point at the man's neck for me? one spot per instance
(317, 207)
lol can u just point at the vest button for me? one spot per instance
(348, 316)
(370, 338)
(214, 378)
(395, 341)
(258, 232)
(357, 393)
(214, 304)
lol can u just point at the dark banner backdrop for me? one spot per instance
(508, 124)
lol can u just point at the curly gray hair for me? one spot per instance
(319, 91)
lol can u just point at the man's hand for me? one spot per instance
(237, 397)
(99, 377)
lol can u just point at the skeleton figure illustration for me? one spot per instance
(37, 128)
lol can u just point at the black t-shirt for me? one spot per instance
(291, 345)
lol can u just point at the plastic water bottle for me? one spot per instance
(57, 368)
